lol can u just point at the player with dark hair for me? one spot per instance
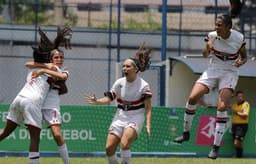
(240, 120)
(26, 107)
(133, 98)
(226, 50)
(51, 106)
(236, 7)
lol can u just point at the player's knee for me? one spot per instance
(222, 107)
(57, 137)
(192, 100)
(109, 150)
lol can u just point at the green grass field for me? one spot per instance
(23, 160)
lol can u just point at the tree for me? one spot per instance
(28, 12)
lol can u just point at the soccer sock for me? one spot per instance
(33, 157)
(239, 152)
(189, 116)
(126, 156)
(112, 159)
(63, 151)
(222, 118)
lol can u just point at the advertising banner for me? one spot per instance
(85, 128)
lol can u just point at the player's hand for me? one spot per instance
(90, 99)
(148, 132)
(37, 73)
(238, 62)
(50, 66)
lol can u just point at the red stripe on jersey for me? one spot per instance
(221, 119)
(219, 53)
(136, 102)
(190, 111)
(148, 92)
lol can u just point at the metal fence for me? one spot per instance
(105, 33)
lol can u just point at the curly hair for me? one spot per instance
(142, 58)
(41, 52)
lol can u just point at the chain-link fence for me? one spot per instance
(105, 32)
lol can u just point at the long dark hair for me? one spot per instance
(142, 58)
(41, 52)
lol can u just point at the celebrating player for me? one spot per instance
(133, 97)
(51, 106)
(226, 49)
(26, 107)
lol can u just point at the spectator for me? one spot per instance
(240, 118)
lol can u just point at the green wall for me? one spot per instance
(85, 129)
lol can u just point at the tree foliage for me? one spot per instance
(29, 12)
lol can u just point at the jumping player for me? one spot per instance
(226, 49)
(133, 98)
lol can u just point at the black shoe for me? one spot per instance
(184, 137)
(214, 152)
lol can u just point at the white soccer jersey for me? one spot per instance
(27, 104)
(225, 51)
(130, 103)
(35, 89)
(221, 69)
(51, 107)
(129, 96)
(52, 99)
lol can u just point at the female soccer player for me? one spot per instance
(26, 107)
(226, 49)
(51, 107)
(133, 97)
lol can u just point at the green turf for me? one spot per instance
(16, 160)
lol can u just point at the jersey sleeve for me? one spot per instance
(114, 90)
(146, 92)
(246, 108)
(211, 36)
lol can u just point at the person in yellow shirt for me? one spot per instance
(240, 119)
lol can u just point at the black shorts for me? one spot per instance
(239, 130)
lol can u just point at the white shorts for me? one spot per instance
(23, 110)
(51, 116)
(219, 78)
(122, 121)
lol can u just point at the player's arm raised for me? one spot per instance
(58, 75)
(32, 64)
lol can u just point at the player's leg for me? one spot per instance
(112, 142)
(13, 119)
(227, 85)
(221, 120)
(33, 120)
(197, 92)
(9, 128)
(62, 147)
(34, 154)
(127, 139)
(239, 135)
(52, 118)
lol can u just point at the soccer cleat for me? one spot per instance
(184, 137)
(214, 152)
